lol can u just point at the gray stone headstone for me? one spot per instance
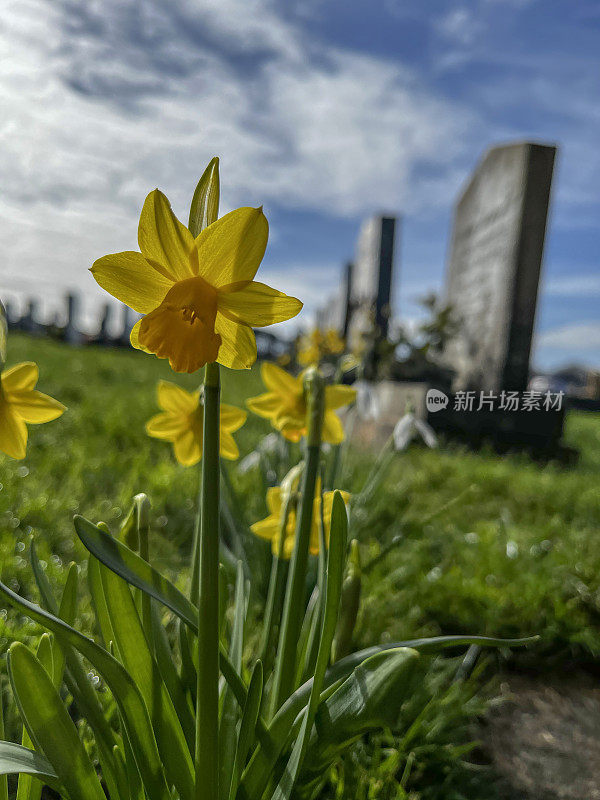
(104, 331)
(28, 321)
(494, 266)
(335, 314)
(371, 285)
(71, 331)
(126, 325)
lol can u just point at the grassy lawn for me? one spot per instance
(484, 544)
(487, 544)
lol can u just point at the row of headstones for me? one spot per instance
(29, 322)
(269, 345)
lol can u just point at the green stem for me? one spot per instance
(207, 700)
(294, 605)
(142, 507)
(196, 547)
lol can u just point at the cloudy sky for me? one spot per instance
(322, 110)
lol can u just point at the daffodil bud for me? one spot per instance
(142, 506)
(349, 605)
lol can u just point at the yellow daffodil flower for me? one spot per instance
(181, 423)
(199, 296)
(270, 527)
(315, 346)
(285, 405)
(21, 403)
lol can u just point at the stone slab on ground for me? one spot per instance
(544, 740)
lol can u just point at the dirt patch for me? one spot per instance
(544, 738)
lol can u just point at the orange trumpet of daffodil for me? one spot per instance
(270, 527)
(181, 423)
(21, 403)
(285, 405)
(198, 295)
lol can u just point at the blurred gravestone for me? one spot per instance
(126, 326)
(336, 313)
(71, 332)
(104, 331)
(494, 267)
(371, 284)
(28, 321)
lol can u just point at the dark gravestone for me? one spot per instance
(126, 326)
(336, 313)
(371, 285)
(71, 332)
(494, 267)
(29, 322)
(104, 331)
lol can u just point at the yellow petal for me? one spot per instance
(20, 377)
(257, 304)
(232, 418)
(333, 430)
(134, 338)
(188, 450)
(339, 395)
(34, 407)
(238, 345)
(13, 433)
(228, 447)
(175, 399)
(274, 500)
(231, 249)
(163, 239)
(279, 381)
(131, 279)
(267, 528)
(166, 426)
(265, 405)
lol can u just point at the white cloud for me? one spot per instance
(579, 337)
(459, 26)
(573, 286)
(103, 101)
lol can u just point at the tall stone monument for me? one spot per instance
(494, 266)
(371, 287)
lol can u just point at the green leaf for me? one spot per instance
(96, 588)
(230, 708)
(3, 780)
(371, 698)
(204, 209)
(246, 737)
(259, 770)
(50, 725)
(76, 678)
(17, 759)
(140, 664)
(333, 590)
(121, 685)
(28, 787)
(124, 562)
(175, 685)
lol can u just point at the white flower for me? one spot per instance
(408, 428)
(367, 403)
